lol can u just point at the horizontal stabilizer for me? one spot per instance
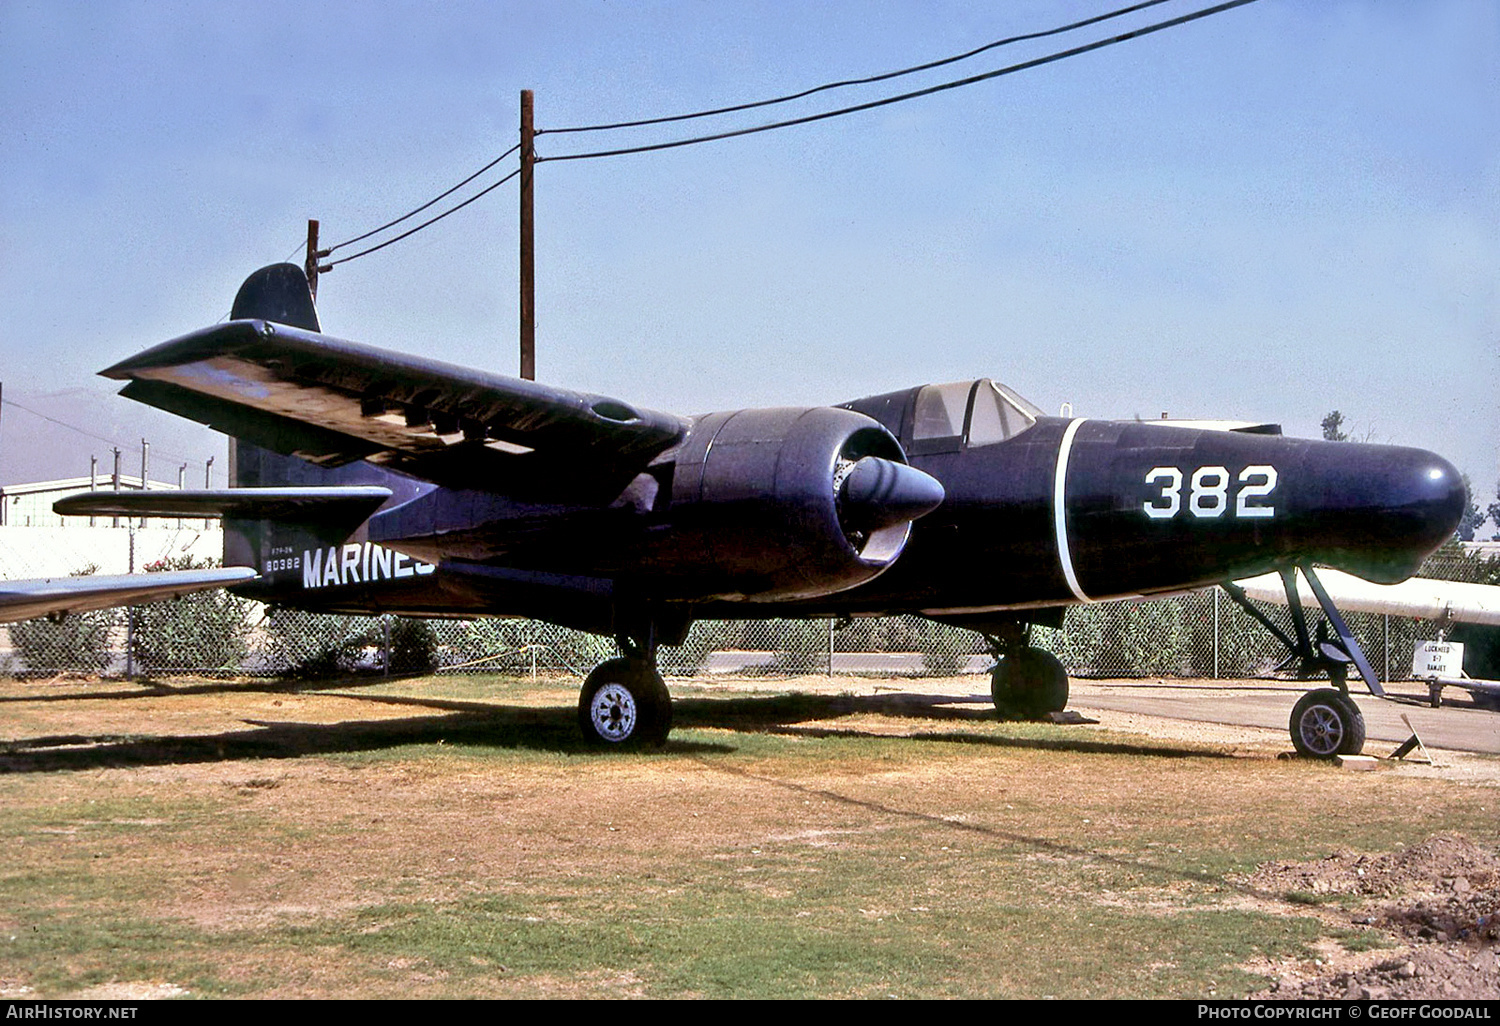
(349, 504)
(25, 600)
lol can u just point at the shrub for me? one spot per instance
(78, 642)
(208, 630)
(314, 645)
(1123, 639)
(945, 649)
(413, 645)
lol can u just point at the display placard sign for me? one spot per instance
(1438, 659)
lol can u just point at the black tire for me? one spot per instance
(624, 704)
(1326, 723)
(1030, 682)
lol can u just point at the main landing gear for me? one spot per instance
(1026, 681)
(624, 702)
(1325, 722)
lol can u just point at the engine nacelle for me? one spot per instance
(786, 504)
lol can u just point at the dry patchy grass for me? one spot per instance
(454, 839)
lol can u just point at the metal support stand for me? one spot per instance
(1413, 742)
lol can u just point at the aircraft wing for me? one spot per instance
(23, 600)
(1423, 597)
(332, 402)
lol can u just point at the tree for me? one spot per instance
(1494, 514)
(1473, 515)
(1333, 428)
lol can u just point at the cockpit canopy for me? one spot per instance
(968, 413)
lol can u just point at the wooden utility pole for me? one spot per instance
(528, 252)
(311, 265)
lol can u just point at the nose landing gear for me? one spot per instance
(1325, 722)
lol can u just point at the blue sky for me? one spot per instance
(1278, 211)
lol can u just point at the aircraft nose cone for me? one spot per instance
(879, 492)
(1439, 496)
(1388, 508)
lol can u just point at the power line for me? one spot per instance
(930, 65)
(115, 443)
(412, 231)
(942, 87)
(418, 210)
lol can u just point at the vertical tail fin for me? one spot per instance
(277, 293)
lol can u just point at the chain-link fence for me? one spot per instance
(1204, 634)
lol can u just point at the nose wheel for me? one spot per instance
(1326, 723)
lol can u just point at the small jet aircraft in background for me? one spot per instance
(371, 481)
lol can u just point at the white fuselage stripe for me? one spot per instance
(1060, 510)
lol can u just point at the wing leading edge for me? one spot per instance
(24, 600)
(350, 504)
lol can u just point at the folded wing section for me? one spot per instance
(332, 402)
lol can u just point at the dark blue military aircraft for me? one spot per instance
(369, 481)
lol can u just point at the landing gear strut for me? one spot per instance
(1026, 680)
(1325, 722)
(624, 702)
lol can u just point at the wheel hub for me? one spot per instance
(1322, 729)
(613, 712)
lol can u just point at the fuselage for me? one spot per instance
(1075, 511)
(1039, 512)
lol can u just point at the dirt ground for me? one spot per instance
(1438, 901)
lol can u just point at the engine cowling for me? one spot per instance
(787, 504)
